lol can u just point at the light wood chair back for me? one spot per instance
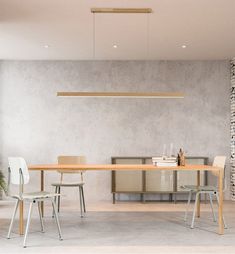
(74, 160)
(219, 161)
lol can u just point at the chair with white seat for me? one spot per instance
(19, 175)
(219, 161)
(76, 184)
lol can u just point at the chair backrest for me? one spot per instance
(19, 173)
(219, 161)
(71, 160)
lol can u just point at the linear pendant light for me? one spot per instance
(121, 10)
(121, 95)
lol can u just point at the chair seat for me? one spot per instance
(199, 188)
(68, 184)
(36, 195)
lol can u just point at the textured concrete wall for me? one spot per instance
(37, 125)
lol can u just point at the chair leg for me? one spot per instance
(80, 197)
(195, 208)
(217, 198)
(55, 200)
(187, 207)
(13, 218)
(28, 223)
(40, 216)
(58, 199)
(83, 200)
(56, 218)
(212, 209)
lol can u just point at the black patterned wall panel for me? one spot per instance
(233, 129)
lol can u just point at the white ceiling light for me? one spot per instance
(115, 46)
(184, 46)
(46, 46)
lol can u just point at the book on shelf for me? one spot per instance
(166, 164)
(165, 161)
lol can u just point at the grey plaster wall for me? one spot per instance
(37, 125)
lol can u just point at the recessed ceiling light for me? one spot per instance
(46, 46)
(184, 46)
(115, 46)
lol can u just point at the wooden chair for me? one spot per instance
(78, 184)
(219, 161)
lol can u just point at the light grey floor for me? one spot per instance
(122, 228)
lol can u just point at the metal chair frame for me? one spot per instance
(198, 193)
(59, 185)
(210, 193)
(32, 198)
(81, 197)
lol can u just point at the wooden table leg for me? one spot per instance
(21, 218)
(199, 198)
(220, 207)
(42, 189)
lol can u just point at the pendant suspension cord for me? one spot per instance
(147, 37)
(93, 35)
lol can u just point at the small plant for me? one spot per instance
(3, 185)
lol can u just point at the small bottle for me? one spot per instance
(178, 159)
(183, 160)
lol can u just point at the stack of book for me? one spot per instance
(165, 161)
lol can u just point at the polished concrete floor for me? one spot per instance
(121, 228)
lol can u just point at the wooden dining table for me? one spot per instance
(219, 172)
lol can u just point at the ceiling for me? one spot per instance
(206, 27)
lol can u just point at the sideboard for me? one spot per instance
(157, 182)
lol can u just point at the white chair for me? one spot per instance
(19, 175)
(77, 184)
(219, 161)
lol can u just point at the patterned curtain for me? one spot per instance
(233, 129)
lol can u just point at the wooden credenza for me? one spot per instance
(154, 182)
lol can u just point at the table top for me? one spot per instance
(120, 167)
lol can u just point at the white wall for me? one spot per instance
(39, 126)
